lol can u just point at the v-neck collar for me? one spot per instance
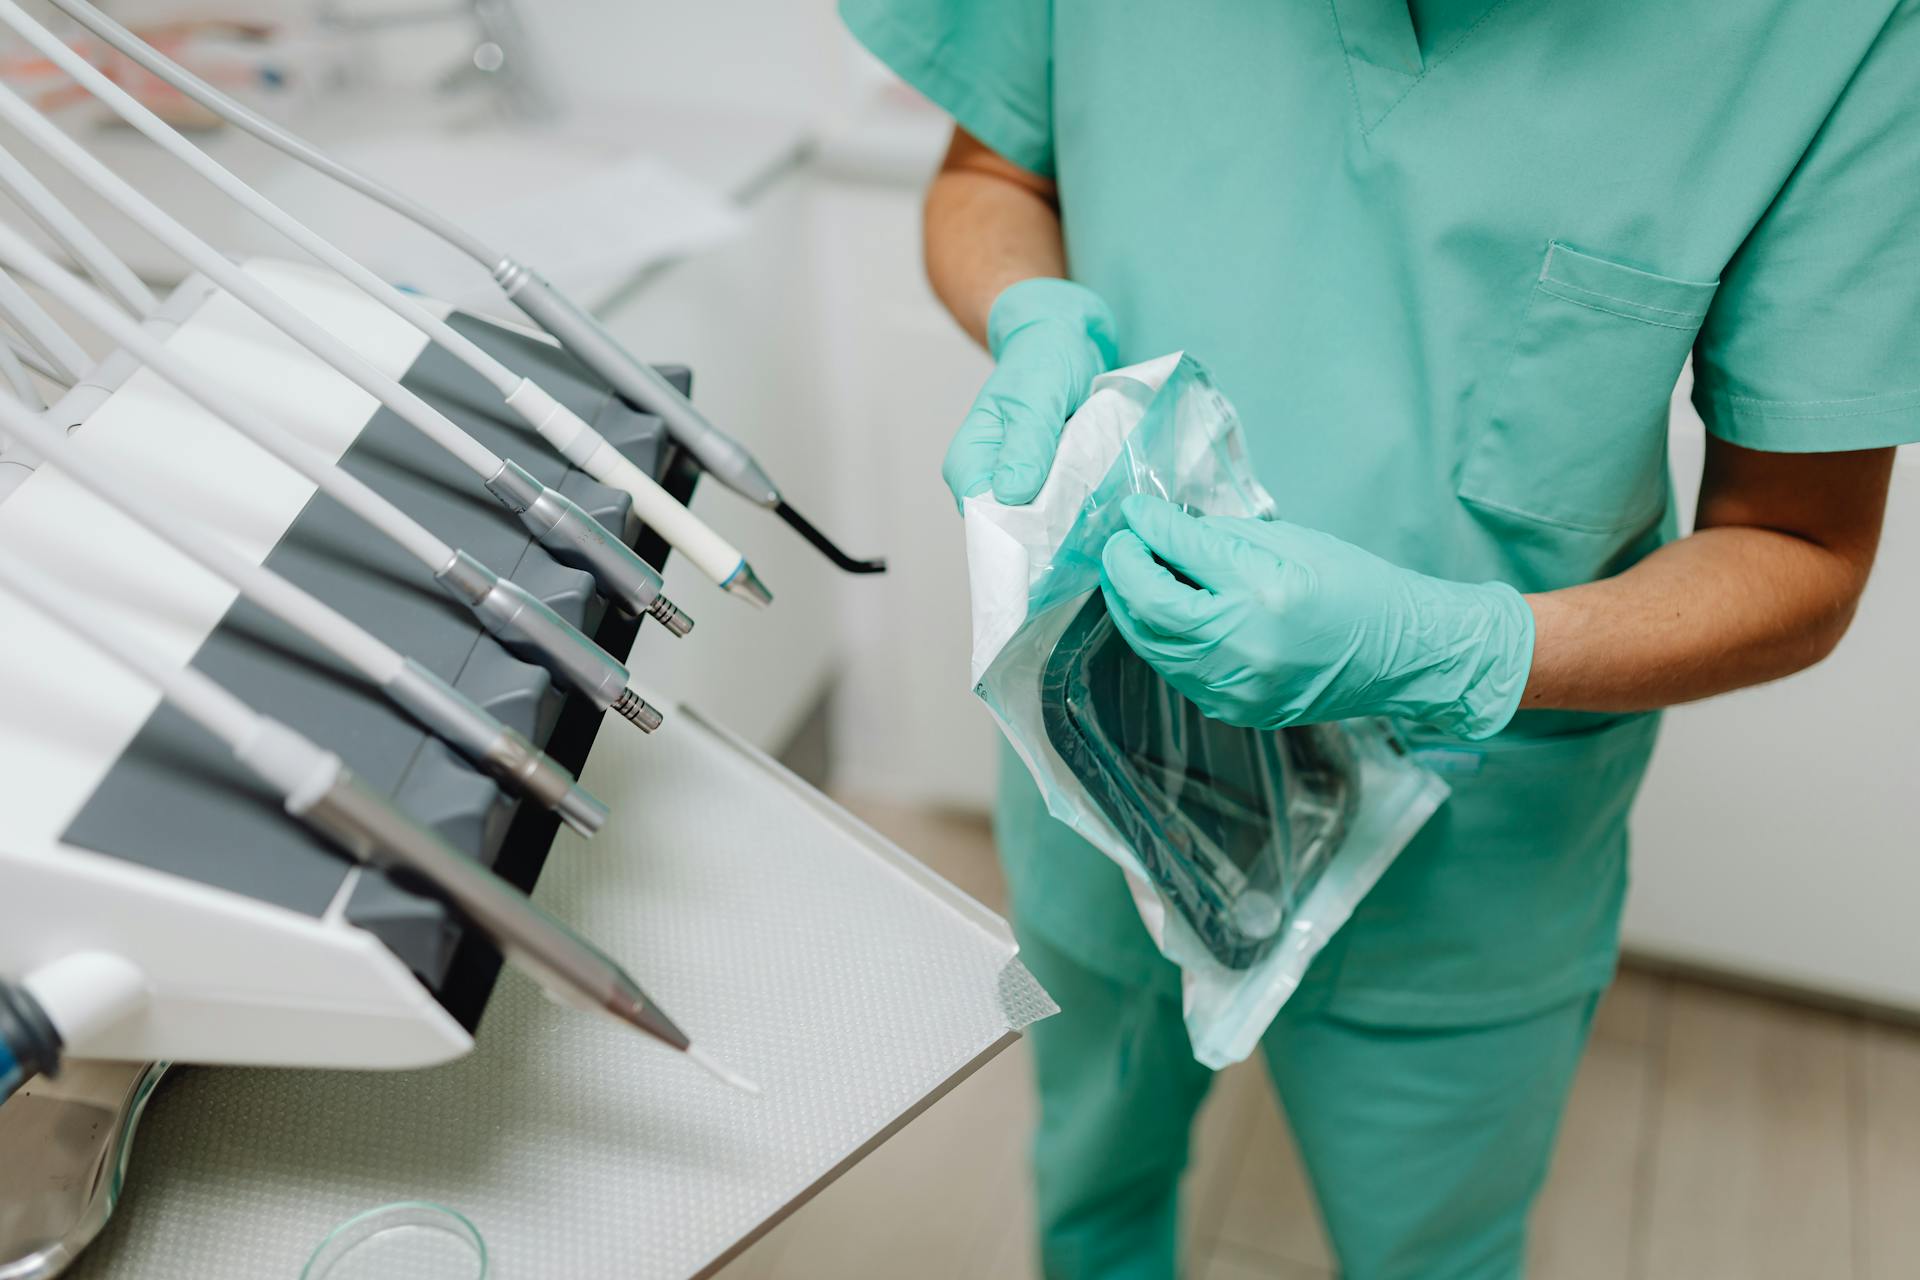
(1384, 58)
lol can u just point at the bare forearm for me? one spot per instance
(1743, 600)
(988, 225)
(1720, 610)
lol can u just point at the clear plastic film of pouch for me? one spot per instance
(1245, 849)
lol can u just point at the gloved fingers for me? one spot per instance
(1035, 413)
(1199, 549)
(1287, 541)
(1141, 588)
(1276, 562)
(968, 467)
(1025, 458)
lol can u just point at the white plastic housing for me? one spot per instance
(228, 978)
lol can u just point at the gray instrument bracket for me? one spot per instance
(175, 802)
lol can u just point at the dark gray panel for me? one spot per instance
(175, 802)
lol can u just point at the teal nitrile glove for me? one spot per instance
(1292, 626)
(1050, 339)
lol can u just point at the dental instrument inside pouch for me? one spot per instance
(1244, 851)
(1234, 826)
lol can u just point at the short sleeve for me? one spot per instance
(1813, 341)
(986, 63)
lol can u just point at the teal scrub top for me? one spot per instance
(1449, 259)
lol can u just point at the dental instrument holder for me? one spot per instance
(174, 801)
(217, 831)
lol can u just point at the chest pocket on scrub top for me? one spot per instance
(1573, 432)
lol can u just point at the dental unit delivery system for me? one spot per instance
(513, 615)
(571, 535)
(582, 335)
(314, 786)
(496, 749)
(570, 436)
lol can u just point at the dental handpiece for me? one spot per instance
(641, 384)
(316, 787)
(722, 456)
(568, 533)
(565, 430)
(510, 613)
(502, 752)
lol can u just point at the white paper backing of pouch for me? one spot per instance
(1009, 550)
(1010, 547)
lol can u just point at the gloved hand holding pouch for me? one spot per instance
(1245, 849)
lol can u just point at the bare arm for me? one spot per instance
(989, 224)
(1765, 586)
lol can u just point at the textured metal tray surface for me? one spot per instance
(175, 802)
(788, 939)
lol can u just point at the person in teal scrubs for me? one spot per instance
(1449, 258)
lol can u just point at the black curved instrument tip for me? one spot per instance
(820, 540)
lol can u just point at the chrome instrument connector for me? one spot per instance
(527, 627)
(576, 539)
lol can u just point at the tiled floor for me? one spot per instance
(1711, 1136)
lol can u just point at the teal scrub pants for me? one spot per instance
(1425, 1147)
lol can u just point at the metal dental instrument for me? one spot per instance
(315, 787)
(75, 236)
(508, 611)
(555, 423)
(722, 456)
(41, 331)
(568, 533)
(502, 752)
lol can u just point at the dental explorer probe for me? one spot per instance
(723, 457)
(513, 615)
(493, 747)
(568, 533)
(316, 787)
(570, 436)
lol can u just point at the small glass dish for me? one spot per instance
(407, 1240)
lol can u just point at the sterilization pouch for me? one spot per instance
(1245, 850)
